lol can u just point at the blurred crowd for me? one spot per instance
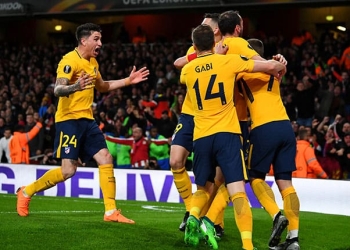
(315, 91)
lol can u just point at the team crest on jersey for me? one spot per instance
(67, 69)
(66, 150)
(244, 58)
(250, 47)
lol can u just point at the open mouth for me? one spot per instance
(97, 50)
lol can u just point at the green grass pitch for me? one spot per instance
(77, 223)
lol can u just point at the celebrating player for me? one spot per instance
(78, 136)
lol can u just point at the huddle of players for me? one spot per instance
(214, 120)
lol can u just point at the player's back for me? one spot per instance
(210, 84)
(263, 98)
(238, 45)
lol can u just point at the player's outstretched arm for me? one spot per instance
(134, 78)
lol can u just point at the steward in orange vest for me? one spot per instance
(18, 145)
(305, 159)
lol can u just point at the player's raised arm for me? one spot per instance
(134, 78)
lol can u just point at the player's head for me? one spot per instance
(212, 20)
(257, 45)
(89, 37)
(203, 38)
(231, 23)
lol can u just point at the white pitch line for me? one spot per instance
(54, 212)
(162, 208)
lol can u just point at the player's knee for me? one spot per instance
(176, 163)
(68, 172)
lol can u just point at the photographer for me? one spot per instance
(153, 164)
(48, 158)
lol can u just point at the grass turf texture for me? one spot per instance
(77, 223)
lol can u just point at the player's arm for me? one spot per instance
(180, 62)
(271, 67)
(63, 88)
(134, 78)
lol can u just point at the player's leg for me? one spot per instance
(204, 173)
(283, 167)
(264, 145)
(182, 144)
(95, 146)
(66, 145)
(291, 207)
(48, 180)
(231, 160)
(217, 208)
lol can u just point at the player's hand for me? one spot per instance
(138, 76)
(221, 48)
(85, 81)
(280, 58)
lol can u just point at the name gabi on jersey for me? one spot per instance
(205, 67)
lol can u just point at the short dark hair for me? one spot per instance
(257, 45)
(213, 16)
(228, 21)
(85, 30)
(303, 134)
(203, 37)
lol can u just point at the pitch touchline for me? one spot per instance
(53, 212)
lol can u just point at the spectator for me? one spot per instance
(153, 164)
(159, 103)
(48, 158)
(2, 126)
(140, 147)
(36, 144)
(4, 146)
(159, 152)
(290, 107)
(19, 144)
(345, 59)
(331, 152)
(49, 126)
(305, 159)
(164, 125)
(304, 99)
(120, 152)
(44, 106)
(345, 158)
(338, 104)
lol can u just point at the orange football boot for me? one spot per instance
(22, 202)
(117, 217)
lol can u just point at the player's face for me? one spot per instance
(93, 44)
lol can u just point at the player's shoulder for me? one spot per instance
(190, 50)
(70, 57)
